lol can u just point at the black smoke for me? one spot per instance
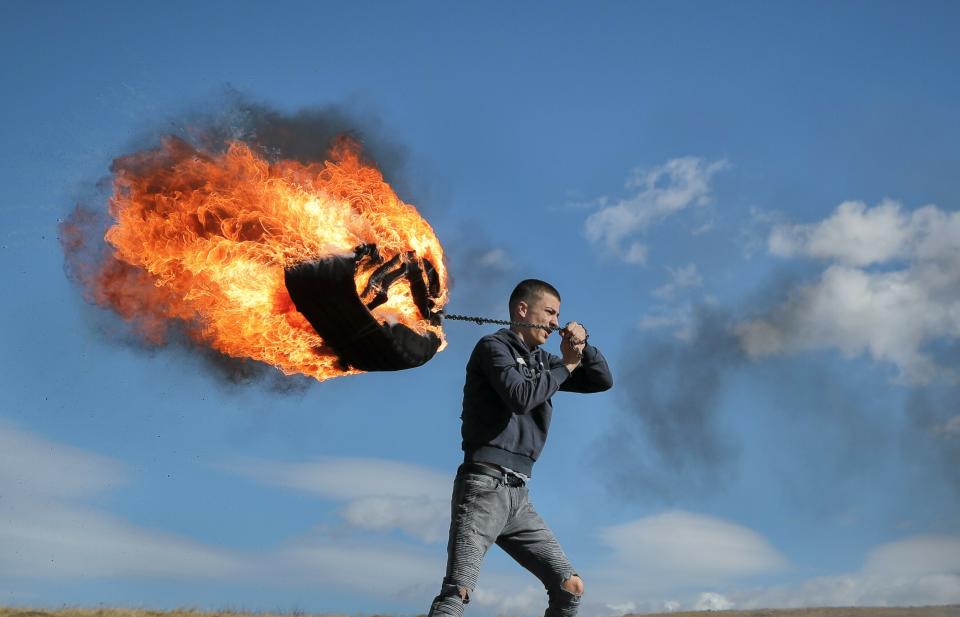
(934, 414)
(830, 433)
(488, 270)
(305, 135)
(668, 439)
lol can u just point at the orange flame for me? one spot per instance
(204, 238)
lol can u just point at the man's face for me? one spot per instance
(544, 309)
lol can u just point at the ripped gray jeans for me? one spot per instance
(485, 510)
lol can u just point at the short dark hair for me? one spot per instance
(528, 290)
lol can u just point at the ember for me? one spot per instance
(213, 240)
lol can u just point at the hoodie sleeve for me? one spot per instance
(593, 374)
(520, 388)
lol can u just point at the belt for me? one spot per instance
(494, 471)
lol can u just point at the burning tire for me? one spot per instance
(325, 292)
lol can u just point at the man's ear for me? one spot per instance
(522, 309)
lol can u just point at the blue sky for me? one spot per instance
(752, 206)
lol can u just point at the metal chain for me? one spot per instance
(503, 322)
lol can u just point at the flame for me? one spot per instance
(204, 238)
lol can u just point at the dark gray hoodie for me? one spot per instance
(506, 397)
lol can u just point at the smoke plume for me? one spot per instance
(935, 414)
(668, 439)
(305, 136)
(682, 433)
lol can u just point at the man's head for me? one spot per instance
(535, 301)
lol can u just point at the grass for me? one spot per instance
(139, 612)
(925, 611)
(911, 611)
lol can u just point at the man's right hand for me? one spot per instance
(570, 350)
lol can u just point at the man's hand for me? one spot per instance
(574, 338)
(576, 331)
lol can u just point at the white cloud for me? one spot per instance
(664, 562)
(622, 608)
(679, 317)
(507, 600)
(636, 254)
(496, 259)
(47, 539)
(914, 556)
(675, 309)
(854, 234)
(691, 561)
(427, 521)
(382, 567)
(379, 494)
(856, 590)
(683, 277)
(950, 428)
(710, 601)
(691, 547)
(891, 314)
(858, 235)
(657, 194)
(666, 319)
(916, 571)
(346, 478)
(48, 532)
(33, 466)
(754, 232)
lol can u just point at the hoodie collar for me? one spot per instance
(513, 336)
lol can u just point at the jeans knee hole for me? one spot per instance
(576, 583)
(460, 591)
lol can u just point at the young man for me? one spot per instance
(506, 415)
